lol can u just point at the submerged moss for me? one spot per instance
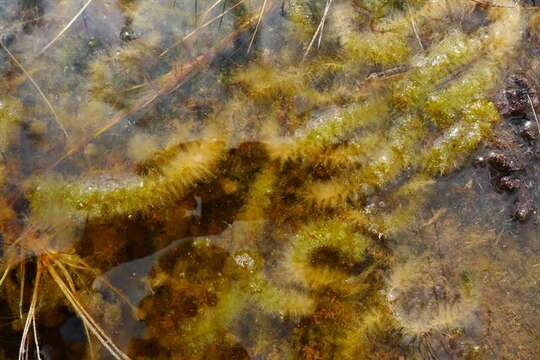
(10, 110)
(163, 186)
(287, 175)
(477, 121)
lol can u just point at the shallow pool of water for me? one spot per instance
(260, 179)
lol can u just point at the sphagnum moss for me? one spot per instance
(311, 208)
(163, 186)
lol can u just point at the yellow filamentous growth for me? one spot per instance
(444, 106)
(9, 119)
(403, 139)
(308, 266)
(454, 51)
(283, 302)
(461, 139)
(391, 44)
(195, 161)
(331, 130)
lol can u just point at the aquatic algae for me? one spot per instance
(251, 219)
(9, 126)
(390, 43)
(461, 138)
(388, 164)
(264, 83)
(392, 216)
(326, 236)
(443, 106)
(453, 52)
(10, 109)
(168, 182)
(429, 300)
(351, 153)
(301, 232)
(214, 303)
(330, 131)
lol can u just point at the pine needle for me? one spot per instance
(36, 86)
(66, 27)
(4, 275)
(326, 9)
(120, 294)
(488, 4)
(34, 330)
(23, 280)
(89, 339)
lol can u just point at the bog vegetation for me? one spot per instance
(260, 157)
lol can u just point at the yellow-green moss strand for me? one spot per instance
(461, 139)
(325, 235)
(456, 50)
(330, 131)
(281, 301)
(195, 162)
(10, 113)
(404, 139)
(443, 106)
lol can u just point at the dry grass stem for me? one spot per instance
(68, 25)
(36, 86)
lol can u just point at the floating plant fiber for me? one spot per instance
(231, 179)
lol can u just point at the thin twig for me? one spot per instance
(534, 113)
(257, 26)
(41, 93)
(66, 27)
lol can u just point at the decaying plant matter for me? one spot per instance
(285, 144)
